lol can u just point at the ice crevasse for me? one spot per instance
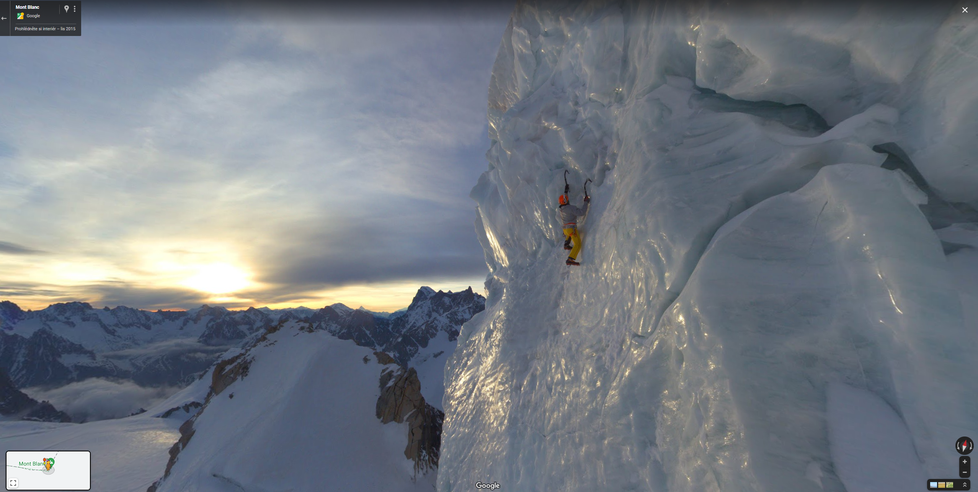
(762, 304)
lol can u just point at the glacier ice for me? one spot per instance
(862, 424)
(745, 256)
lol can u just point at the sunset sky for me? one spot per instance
(245, 156)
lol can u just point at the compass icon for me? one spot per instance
(965, 445)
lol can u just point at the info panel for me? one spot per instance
(40, 18)
(49, 470)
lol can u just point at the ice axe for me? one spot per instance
(586, 196)
(566, 186)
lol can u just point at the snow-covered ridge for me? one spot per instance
(349, 416)
(746, 254)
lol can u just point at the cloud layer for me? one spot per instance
(313, 152)
(100, 399)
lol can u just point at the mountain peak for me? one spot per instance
(10, 314)
(341, 308)
(68, 308)
(5, 305)
(206, 310)
(424, 293)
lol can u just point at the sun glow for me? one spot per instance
(218, 278)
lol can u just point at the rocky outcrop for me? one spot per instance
(401, 401)
(228, 371)
(186, 408)
(187, 431)
(384, 359)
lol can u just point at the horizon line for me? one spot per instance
(91, 305)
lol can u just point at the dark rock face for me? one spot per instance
(400, 394)
(184, 408)
(384, 359)
(187, 431)
(228, 371)
(14, 402)
(37, 359)
(401, 401)
(424, 438)
(45, 412)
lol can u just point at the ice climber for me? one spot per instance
(569, 215)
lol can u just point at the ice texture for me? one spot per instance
(840, 59)
(745, 256)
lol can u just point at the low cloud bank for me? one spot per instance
(101, 399)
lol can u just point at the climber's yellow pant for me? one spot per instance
(571, 232)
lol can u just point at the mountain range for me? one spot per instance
(74, 341)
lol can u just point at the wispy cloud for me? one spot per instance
(315, 153)
(16, 249)
(125, 294)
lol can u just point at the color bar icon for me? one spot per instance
(948, 484)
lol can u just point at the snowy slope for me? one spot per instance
(754, 286)
(300, 417)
